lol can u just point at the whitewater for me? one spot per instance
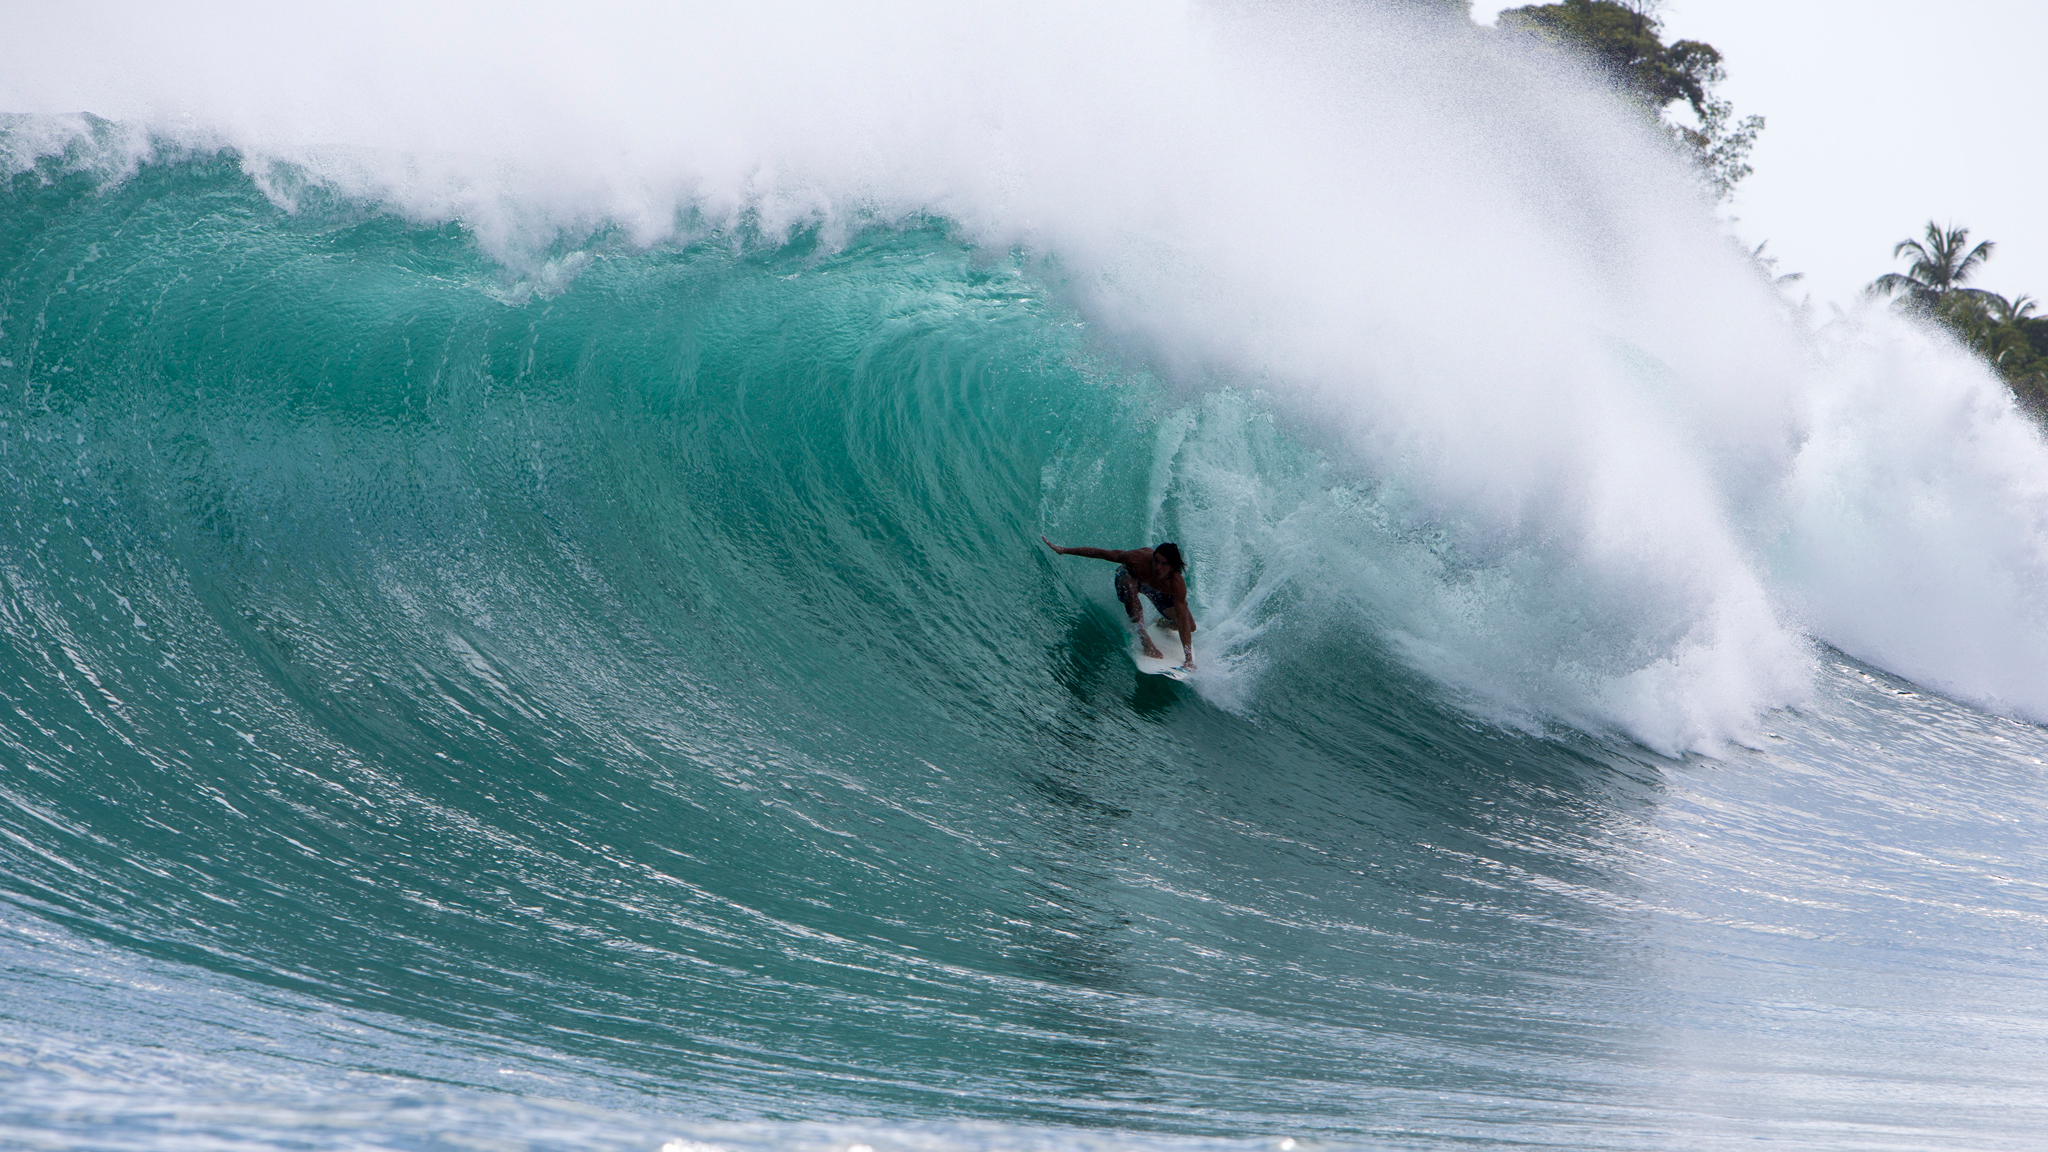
(524, 625)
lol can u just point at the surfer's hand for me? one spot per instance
(1054, 547)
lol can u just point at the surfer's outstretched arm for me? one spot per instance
(1110, 554)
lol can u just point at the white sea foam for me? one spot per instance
(1582, 466)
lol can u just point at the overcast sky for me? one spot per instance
(1881, 115)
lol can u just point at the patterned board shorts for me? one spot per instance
(1160, 600)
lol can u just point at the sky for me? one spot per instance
(1881, 115)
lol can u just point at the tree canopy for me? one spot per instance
(2006, 333)
(1940, 266)
(1623, 42)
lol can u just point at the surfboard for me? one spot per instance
(1167, 639)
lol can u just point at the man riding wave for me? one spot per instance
(1158, 573)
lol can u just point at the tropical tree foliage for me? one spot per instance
(2005, 332)
(1461, 9)
(2007, 335)
(1939, 268)
(1622, 40)
(1767, 267)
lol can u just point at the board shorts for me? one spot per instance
(1160, 600)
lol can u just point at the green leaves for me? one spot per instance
(2004, 332)
(1623, 42)
(1940, 267)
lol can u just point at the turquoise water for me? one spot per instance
(450, 706)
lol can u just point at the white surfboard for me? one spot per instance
(1166, 638)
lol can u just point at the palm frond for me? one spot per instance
(1944, 261)
(1975, 259)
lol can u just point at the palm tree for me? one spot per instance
(1939, 267)
(2010, 311)
(1994, 331)
(1767, 267)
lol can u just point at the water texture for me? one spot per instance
(489, 665)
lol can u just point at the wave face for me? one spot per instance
(1609, 485)
(525, 626)
(666, 673)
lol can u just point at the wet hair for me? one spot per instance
(1170, 552)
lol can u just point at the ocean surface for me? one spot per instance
(519, 637)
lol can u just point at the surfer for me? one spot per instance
(1157, 572)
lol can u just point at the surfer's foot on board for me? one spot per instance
(1151, 649)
